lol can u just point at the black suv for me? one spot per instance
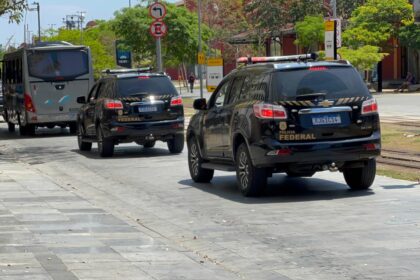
(289, 114)
(131, 105)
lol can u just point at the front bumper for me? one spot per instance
(342, 151)
(158, 130)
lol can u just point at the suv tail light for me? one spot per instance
(113, 104)
(369, 106)
(29, 106)
(176, 101)
(269, 111)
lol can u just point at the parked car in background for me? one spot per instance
(133, 105)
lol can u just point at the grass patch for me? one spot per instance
(391, 171)
(394, 137)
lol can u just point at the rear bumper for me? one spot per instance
(342, 151)
(51, 118)
(159, 130)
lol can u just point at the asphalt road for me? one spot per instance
(401, 105)
(71, 215)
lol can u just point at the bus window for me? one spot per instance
(58, 64)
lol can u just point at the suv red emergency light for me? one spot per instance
(287, 58)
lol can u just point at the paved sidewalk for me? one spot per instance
(48, 232)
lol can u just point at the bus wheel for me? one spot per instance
(11, 127)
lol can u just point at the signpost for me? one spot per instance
(332, 38)
(214, 73)
(201, 58)
(158, 29)
(122, 55)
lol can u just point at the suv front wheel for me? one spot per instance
(251, 180)
(361, 178)
(198, 174)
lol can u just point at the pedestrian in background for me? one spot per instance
(409, 80)
(191, 80)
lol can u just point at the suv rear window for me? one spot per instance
(157, 85)
(335, 82)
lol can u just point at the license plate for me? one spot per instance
(147, 109)
(326, 119)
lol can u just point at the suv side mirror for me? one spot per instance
(200, 104)
(81, 100)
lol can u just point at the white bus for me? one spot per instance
(41, 84)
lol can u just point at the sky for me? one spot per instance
(53, 12)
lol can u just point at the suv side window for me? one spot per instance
(235, 90)
(92, 93)
(220, 97)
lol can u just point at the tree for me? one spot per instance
(99, 39)
(371, 27)
(410, 36)
(362, 58)
(13, 8)
(310, 32)
(375, 22)
(179, 45)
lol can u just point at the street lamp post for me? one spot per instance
(39, 19)
(200, 70)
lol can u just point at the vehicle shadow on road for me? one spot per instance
(280, 188)
(127, 152)
(397, 187)
(40, 133)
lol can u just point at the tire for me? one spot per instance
(251, 180)
(105, 145)
(198, 174)
(27, 130)
(149, 144)
(11, 127)
(361, 178)
(176, 145)
(300, 174)
(73, 128)
(83, 146)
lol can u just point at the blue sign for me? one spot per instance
(123, 55)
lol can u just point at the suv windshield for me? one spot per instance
(58, 64)
(335, 82)
(158, 85)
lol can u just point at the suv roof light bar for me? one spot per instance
(287, 58)
(127, 71)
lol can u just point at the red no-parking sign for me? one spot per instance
(158, 29)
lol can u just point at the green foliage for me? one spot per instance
(375, 22)
(410, 36)
(362, 58)
(310, 31)
(179, 45)
(13, 9)
(346, 7)
(99, 39)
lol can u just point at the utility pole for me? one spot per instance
(334, 8)
(200, 70)
(129, 3)
(39, 18)
(81, 18)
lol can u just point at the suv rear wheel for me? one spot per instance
(83, 146)
(251, 180)
(198, 174)
(105, 145)
(176, 144)
(361, 178)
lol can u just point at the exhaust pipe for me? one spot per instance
(333, 167)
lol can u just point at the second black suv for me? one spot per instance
(297, 117)
(131, 105)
